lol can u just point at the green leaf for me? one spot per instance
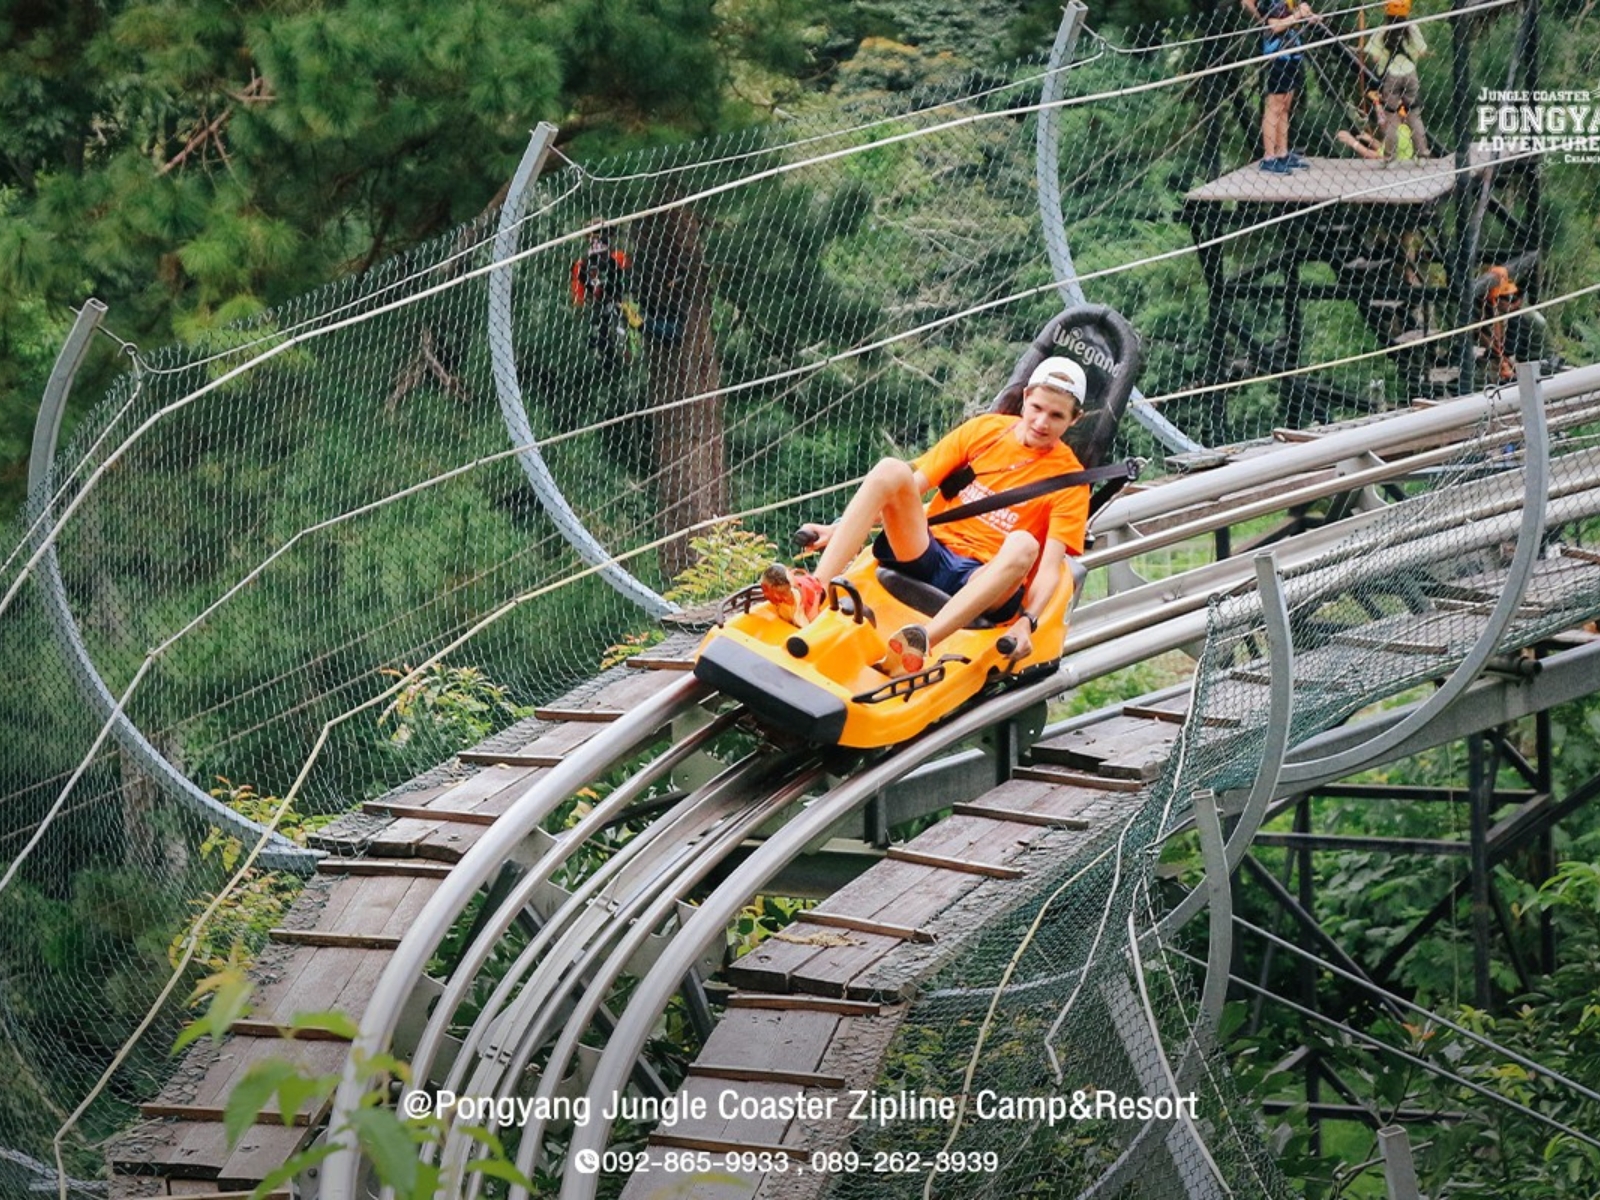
(297, 1165)
(250, 1095)
(295, 1090)
(230, 990)
(388, 1145)
(498, 1168)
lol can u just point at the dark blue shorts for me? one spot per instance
(944, 569)
(1284, 75)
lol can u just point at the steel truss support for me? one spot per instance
(1502, 822)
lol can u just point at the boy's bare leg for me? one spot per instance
(888, 493)
(988, 586)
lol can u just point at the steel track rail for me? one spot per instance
(614, 923)
(556, 955)
(409, 960)
(1347, 445)
(665, 905)
(560, 853)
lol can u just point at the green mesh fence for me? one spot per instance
(306, 560)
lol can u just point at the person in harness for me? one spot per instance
(1394, 49)
(599, 283)
(1500, 301)
(1003, 564)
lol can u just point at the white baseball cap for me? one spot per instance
(1061, 374)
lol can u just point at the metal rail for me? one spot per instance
(508, 388)
(602, 929)
(410, 959)
(278, 853)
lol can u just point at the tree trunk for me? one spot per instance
(673, 290)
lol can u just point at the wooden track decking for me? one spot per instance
(832, 991)
(384, 862)
(817, 1005)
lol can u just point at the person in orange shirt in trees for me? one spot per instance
(1003, 564)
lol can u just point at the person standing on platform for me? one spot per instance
(1285, 75)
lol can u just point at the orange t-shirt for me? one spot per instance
(1003, 463)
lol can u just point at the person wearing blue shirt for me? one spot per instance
(1284, 75)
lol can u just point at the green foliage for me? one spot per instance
(727, 558)
(241, 923)
(760, 919)
(1368, 901)
(449, 706)
(388, 1141)
(228, 989)
(194, 161)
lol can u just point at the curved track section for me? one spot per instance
(582, 932)
(561, 982)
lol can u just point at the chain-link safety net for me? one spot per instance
(1080, 999)
(308, 560)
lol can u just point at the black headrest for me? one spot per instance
(1102, 342)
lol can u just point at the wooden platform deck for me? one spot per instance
(1350, 180)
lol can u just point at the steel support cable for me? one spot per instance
(508, 389)
(278, 853)
(1536, 467)
(1383, 993)
(830, 135)
(1438, 335)
(409, 960)
(522, 894)
(1415, 1060)
(1052, 221)
(1248, 31)
(718, 846)
(596, 915)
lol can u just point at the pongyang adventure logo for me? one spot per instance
(1564, 123)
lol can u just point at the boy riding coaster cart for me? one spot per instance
(970, 592)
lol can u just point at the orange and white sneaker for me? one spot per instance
(796, 595)
(908, 650)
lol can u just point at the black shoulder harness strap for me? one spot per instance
(1123, 471)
